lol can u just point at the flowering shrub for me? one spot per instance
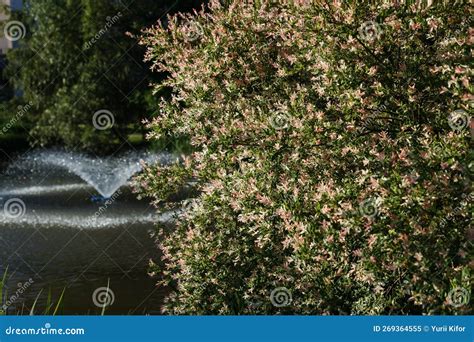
(331, 143)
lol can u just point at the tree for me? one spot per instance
(331, 155)
(84, 74)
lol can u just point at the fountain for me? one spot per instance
(106, 175)
(70, 220)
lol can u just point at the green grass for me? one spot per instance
(2, 286)
(52, 308)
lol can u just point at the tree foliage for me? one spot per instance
(80, 57)
(332, 156)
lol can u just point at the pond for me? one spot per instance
(71, 222)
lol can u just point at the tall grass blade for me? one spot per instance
(2, 285)
(59, 302)
(32, 310)
(105, 301)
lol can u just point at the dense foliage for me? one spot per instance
(80, 57)
(332, 144)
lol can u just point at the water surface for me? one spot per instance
(69, 221)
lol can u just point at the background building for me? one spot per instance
(6, 44)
